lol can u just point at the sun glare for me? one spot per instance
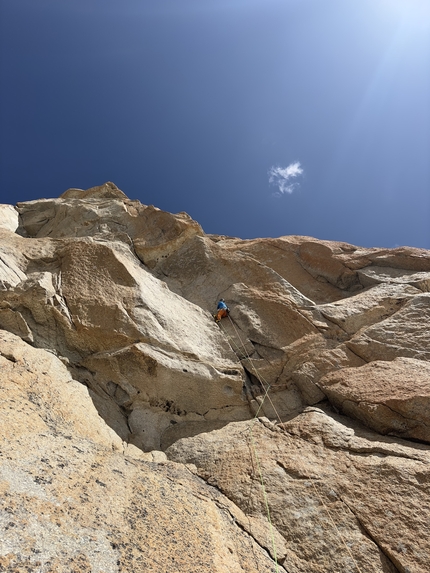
(413, 11)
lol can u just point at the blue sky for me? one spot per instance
(259, 118)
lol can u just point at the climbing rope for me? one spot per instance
(335, 527)
(266, 386)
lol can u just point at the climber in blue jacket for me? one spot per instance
(222, 310)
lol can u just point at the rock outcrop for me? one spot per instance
(75, 497)
(390, 397)
(139, 435)
(342, 498)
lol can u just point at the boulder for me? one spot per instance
(309, 359)
(389, 397)
(404, 333)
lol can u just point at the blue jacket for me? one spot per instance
(221, 305)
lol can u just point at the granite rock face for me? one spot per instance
(75, 497)
(390, 397)
(341, 498)
(139, 435)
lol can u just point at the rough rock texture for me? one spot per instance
(74, 497)
(390, 397)
(94, 303)
(342, 499)
(109, 357)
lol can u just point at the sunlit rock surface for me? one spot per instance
(138, 435)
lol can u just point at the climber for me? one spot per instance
(222, 310)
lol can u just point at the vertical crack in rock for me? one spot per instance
(394, 562)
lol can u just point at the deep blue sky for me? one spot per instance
(257, 117)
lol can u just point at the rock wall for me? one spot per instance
(140, 435)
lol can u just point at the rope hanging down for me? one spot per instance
(251, 438)
(266, 386)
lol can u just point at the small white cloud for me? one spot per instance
(282, 177)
